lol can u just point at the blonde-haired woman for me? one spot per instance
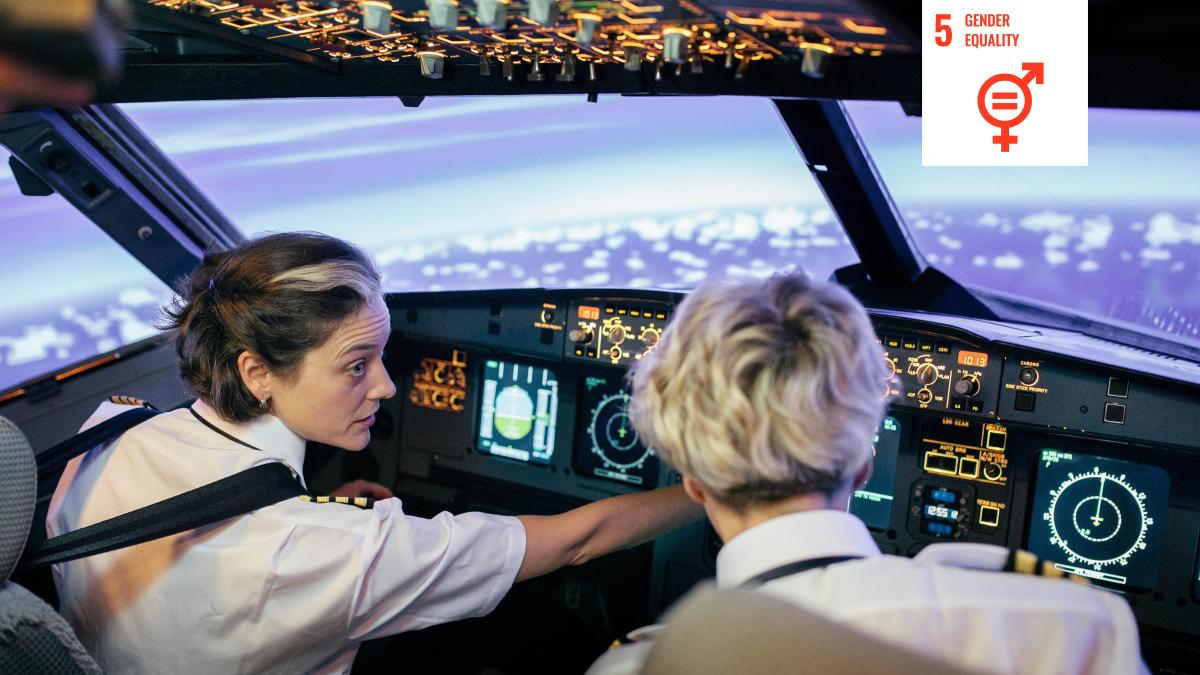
(765, 395)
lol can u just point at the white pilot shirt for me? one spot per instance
(290, 588)
(989, 621)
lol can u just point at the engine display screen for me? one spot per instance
(609, 446)
(1099, 518)
(518, 412)
(873, 503)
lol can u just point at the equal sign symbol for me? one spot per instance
(1002, 95)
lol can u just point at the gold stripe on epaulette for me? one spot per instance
(129, 400)
(360, 502)
(1024, 562)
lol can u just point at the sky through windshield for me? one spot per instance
(516, 191)
(1117, 240)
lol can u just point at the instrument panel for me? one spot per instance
(1091, 463)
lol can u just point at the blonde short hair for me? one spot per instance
(763, 390)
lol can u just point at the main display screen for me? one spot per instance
(609, 447)
(518, 412)
(873, 503)
(1099, 518)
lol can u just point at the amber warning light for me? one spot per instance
(976, 359)
(589, 313)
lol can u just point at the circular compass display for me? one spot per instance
(613, 435)
(609, 446)
(1099, 517)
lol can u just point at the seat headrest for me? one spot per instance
(18, 494)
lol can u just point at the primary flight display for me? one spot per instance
(518, 412)
(1099, 518)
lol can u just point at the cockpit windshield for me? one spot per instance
(498, 192)
(1118, 240)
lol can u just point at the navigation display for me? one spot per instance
(873, 503)
(1099, 518)
(609, 446)
(518, 412)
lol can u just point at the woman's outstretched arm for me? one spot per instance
(602, 527)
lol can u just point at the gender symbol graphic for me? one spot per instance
(1007, 100)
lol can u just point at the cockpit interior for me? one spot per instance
(542, 183)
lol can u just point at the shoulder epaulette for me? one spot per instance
(360, 502)
(129, 400)
(1024, 562)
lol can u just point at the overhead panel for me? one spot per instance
(676, 46)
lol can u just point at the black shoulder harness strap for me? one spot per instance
(229, 497)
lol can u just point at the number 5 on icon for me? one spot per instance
(939, 27)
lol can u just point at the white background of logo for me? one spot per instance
(1055, 133)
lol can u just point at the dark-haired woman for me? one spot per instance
(282, 340)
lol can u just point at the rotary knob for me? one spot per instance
(616, 335)
(924, 396)
(891, 366)
(1028, 376)
(927, 374)
(967, 386)
(650, 338)
(992, 471)
(582, 336)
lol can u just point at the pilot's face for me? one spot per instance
(333, 396)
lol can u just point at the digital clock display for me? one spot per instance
(973, 359)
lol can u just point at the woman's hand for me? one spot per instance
(362, 488)
(602, 527)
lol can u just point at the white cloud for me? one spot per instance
(35, 344)
(687, 258)
(1156, 254)
(553, 268)
(1166, 229)
(1088, 266)
(137, 297)
(1008, 261)
(948, 242)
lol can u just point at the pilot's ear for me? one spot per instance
(695, 490)
(255, 375)
(863, 475)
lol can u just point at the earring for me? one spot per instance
(263, 402)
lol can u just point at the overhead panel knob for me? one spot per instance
(582, 336)
(376, 16)
(492, 13)
(586, 25)
(967, 386)
(544, 12)
(675, 44)
(432, 64)
(443, 14)
(816, 59)
(633, 55)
